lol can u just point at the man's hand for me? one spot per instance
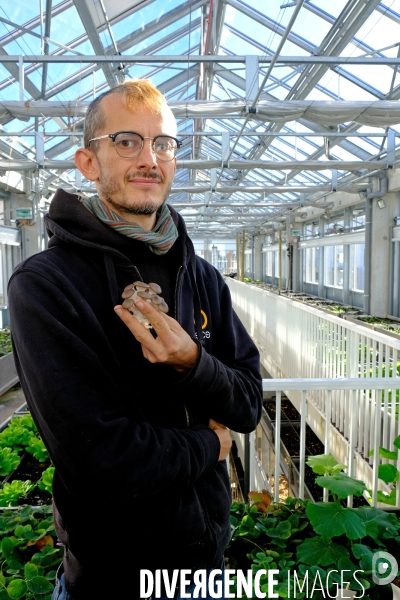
(224, 438)
(172, 346)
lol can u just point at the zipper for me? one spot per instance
(176, 292)
(187, 415)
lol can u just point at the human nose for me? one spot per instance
(147, 157)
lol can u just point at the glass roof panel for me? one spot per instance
(247, 30)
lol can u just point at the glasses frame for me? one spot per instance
(113, 137)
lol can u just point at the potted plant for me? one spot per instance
(315, 547)
(30, 554)
(24, 464)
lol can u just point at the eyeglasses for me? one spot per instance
(129, 144)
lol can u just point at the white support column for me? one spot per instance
(257, 256)
(207, 250)
(321, 281)
(346, 260)
(382, 223)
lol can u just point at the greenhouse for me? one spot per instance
(255, 177)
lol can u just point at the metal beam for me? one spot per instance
(19, 27)
(271, 165)
(46, 45)
(13, 68)
(345, 144)
(94, 38)
(33, 24)
(352, 17)
(327, 61)
(158, 25)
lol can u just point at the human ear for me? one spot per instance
(87, 163)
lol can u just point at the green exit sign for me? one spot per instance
(296, 232)
(23, 213)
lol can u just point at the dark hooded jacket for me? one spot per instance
(138, 484)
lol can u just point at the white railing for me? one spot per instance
(367, 419)
(302, 341)
(299, 341)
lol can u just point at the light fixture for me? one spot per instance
(381, 203)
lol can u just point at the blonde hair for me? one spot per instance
(135, 93)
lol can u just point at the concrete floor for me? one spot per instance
(10, 401)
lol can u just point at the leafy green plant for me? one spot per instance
(27, 422)
(46, 482)
(313, 539)
(37, 448)
(29, 554)
(9, 461)
(388, 473)
(11, 492)
(15, 436)
(5, 341)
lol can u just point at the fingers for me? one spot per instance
(225, 441)
(142, 334)
(214, 425)
(154, 316)
(172, 345)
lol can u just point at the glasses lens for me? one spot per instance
(165, 147)
(128, 144)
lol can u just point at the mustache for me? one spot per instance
(145, 175)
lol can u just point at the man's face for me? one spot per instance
(134, 187)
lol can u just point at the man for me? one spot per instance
(134, 421)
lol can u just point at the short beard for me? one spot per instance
(109, 188)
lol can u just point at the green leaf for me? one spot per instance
(386, 521)
(396, 442)
(338, 468)
(317, 551)
(362, 551)
(14, 564)
(342, 485)
(372, 530)
(40, 585)
(6, 547)
(322, 463)
(388, 473)
(26, 512)
(16, 589)
(387, 499)
(30, 571)
(384, 453)
(330, 519)
(19, 531)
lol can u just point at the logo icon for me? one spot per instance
(384, 568)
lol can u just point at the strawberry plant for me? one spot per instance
(29, 554)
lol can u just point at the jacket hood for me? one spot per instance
(70, 221)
